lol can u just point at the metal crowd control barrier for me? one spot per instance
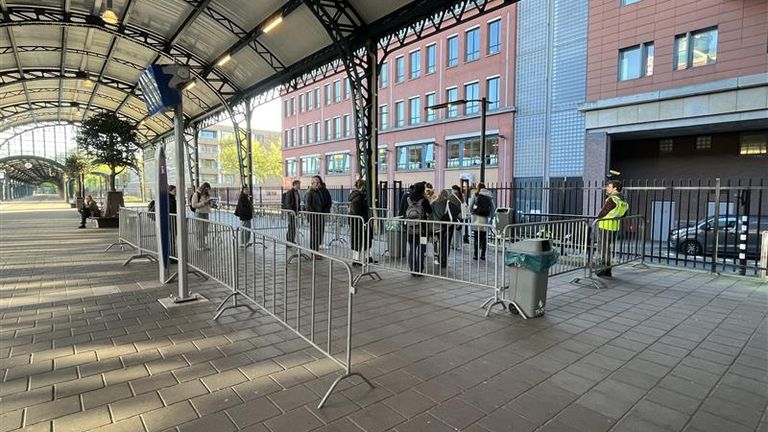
(127, 230)
(438, 255)
(608, 249)
(212, 250)
(313, 299)
(275, 222)
(569, 237)
(146, 238)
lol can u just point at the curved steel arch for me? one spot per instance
(70, 50)
(40, 172)
(35, 125)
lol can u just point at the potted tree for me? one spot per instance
(76, 165)
(110, 141)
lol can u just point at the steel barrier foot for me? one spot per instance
(490, 303)
(590, 282)
(194, 272)
(338, 380)
(221, 308)
(121, 244)
(371, 274)
(642, 266)
(149, 258)
(300, 255)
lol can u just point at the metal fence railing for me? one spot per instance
(127, 234)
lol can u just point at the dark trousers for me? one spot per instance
(416, 252)
(316, 231)
(85, 213)
(291, 236)
(445, 240)
(358, 237)
(482, 238)
(605, 241)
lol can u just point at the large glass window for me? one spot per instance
(431, 58)
(347, 88)
(301, 135)
(416, 157)
(310, 165)
(383, 75)
(327, 131)
(317, 98)
(293, 106)
(336, 91)
(328, 94)
(695, 49)
(310, 102)
(383, 117)
(636, 61)
(465, 152)
(472, 45)
(452, 44)
(399, 114)
(337, 127)
(492, 88)
(209, 163)
(399, 69)
(209, 134)
(753, 143)
(286, 139)
(293, 137)
(472, 92)
(347, 125)
(290, 168)
(337, 163)
(318, 135)
(286, 109)
(429, 100)
(494, 37)
(415, 64)
(310, 138)
(628, 2)
(452, 95)
(415, 108)
(382, 160)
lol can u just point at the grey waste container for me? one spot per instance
(528, 262)
(504, 217)
(396, 240)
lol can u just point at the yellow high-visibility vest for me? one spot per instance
(621, 208)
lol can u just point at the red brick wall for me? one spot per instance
(742, 41)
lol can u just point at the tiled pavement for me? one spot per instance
(84, 345)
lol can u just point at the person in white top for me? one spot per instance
(201, 205)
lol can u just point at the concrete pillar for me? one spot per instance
(597, 157)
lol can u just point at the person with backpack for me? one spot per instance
(482, 209)
(318, 202)
(415, 209)
(608, 225)
(457, 199)
(443, 210)
(358, 206)
(244, 211)
(200, 204)
(292, 201)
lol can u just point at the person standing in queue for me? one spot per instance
(358, 206)
(415, 209)
(201, 205)
(292, 201)
(244, 211)
(318, 203)
(608, 225)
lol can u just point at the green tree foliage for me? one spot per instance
(77, 165)
(110, 141)
(267, 160)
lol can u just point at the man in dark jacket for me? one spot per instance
(292, 202)
(318, 202)
(417, 232)
(358, 206)
(244, 211)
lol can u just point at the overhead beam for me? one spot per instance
(12, 39)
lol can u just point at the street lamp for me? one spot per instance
(484, 102)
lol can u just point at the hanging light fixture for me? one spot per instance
(272, 24)
(108, 15)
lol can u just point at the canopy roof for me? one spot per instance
(31, 169)
(60, 61)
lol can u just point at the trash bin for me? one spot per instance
(396, 240)
(504, 217)
(528, 263)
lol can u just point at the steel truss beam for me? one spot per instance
(27, 127)
(70, 50)
(42, 170)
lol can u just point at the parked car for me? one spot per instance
(699, 238)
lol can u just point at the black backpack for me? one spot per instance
(483, 205)
(190, 201)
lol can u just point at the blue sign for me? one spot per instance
(162, 208)
(157, 85)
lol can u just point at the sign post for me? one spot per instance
(161, 215)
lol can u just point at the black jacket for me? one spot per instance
(292, 200)
(318, 201)
(171, 204)
(441, 208)
(415, 196)
(358, 205)
(244, 209)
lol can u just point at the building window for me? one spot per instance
(399, 114)
(286, 111)
(293, 106)
(286, 140)
(347, 125)
(327, 134)
(695, 49)
(208, 134)
(290, 168)
(452, 95)
(337, 91)
(209, 164)
(301, 135)
(318, 136)
(704, 142)
(431, 58)
(383, 76)
(628, 2)
(636, 61)
(429, 100)
(337, 163)
(753, 144)
(317, 98)
(415, 108)
(492, 88)
(301, 103)
(309, 100)
(383, 117)
(416, 157)
(473, 44)
(310, 166)
(494, 37)
(208, 149)
(472, 92)
(347, 88)
(466, 152)
(415, 63)
(293, 137)
(337, 127)
(382, 160)
(666, 145)
(328, 95)
(453, 51)
(400, 69)
(310, 138)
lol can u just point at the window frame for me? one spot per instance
(414, 117)
(383, 117)
(346, 163)
(644, 57)
(688, 37)
(472, 108)
(399, 113)
(494, 104)
(449, 62)
(384, 75)
(462, 152)
(433, 49)
(291, 162)
(430, 115)
(304, 171)
(496, 23)
(414, 73)
(399, 67)
(470, 56)
(424, 164)
(452, 111)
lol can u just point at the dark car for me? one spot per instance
(699, 239)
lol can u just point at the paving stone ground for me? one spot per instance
(84, 345)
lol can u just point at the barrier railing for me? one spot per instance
(213, 250)
(313, 299)
(145, 243)
(127, 234)
(609, 248)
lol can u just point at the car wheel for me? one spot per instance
(690, 247)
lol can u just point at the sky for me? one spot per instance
(267, 116)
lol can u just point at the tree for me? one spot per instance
(111, 141)
(267, 162)
(76, 165)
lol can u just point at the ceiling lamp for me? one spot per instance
(189, 85)
(272, 24)
(87, 82)
(108, 15)
(223, 60)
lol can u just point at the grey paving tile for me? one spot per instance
(215, 422)
(85, 420)
(299, 420)
(172, 415)
(216, 401)
(456, 413)
(135, 405)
